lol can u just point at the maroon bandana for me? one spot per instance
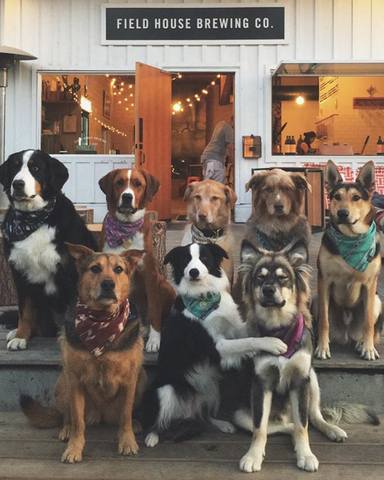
(291, 335)
(96, 330)
(118, 233)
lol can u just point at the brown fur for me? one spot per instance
(348, 306)
(209, 208)
(92, 389)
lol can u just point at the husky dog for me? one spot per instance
(276, 293)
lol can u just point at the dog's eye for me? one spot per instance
(269, 189)
(215, 198)
(137, 184)
(260, 276)
(203, 258)
(337, 197)
(198, 197)
(355, 198)
(95, 269)
(34, 168)
(118, 269)
(120, 182)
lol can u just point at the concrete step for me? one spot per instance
(345, 377)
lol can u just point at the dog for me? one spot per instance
(209, 210)
(203, 333)
(125, 226)
(36, 225)
(102, 351)
(276, 292)
(349, 264)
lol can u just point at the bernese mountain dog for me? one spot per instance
(39, 220)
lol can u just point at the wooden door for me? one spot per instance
(153, 131)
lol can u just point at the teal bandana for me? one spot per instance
(356, 251)
(203, 305)
(272, 244)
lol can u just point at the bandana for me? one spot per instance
(120, 233)
(203, 305)
(98, 331)
(272, 244)
(358, 251)
(291, 335)
(19, 224)
(207, 236)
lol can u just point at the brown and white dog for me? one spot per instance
(125, 226)
(209, 210)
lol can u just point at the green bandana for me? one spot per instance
(356, 251)
(203, 305)
(272, 244)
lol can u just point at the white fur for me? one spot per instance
(36, 258)
(25, 175)
(153, 343)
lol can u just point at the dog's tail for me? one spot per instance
(349, 413)
(9, 319)
(39, 416)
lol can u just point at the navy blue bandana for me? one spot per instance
(19, 224)
(203, 305)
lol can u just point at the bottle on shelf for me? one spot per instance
(293, 145)
(379, 147)
(287, 146)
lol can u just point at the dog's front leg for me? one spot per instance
(324, 287)
(261, 409)
(73, 452)
(127, 441)
(366, 347)
(17, 339)
(299, 399)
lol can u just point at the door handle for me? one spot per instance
(141, 130)
(142, 158)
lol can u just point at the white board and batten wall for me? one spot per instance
(66, 37)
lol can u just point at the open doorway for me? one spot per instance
(199, 102)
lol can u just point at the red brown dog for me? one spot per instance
(125, 226)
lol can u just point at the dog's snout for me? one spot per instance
(194, 273)
(127, 198)
(202, 215)
(343, 213)
(279, 206)
(269, 291)
(108, 285)
(18, 185)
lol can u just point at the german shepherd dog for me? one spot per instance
(102, 349)
(276, 292)
(349, 264)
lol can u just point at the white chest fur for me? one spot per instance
(36, 258)
(136, 242)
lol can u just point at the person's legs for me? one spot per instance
(214, 170)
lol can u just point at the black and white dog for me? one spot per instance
(203, 332)
(276, 292)
(38, 222)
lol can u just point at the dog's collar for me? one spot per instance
(19, 224)
(358, 251)
(273, 244)
(96, 330)
(203, 305)
(207, 236)
(120, 233)
(290, 335)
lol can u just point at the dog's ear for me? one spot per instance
(300, 182)
(79, 252)
(332, 176)
(189, 190)
(216, 251)
(5, 178)
(255, 181)
(58, 172)
(106, 182)
(366, 176)
(249, 253)
(230, 196)
(174, 254)
(297, 253)
(152, 185)
(132, 257)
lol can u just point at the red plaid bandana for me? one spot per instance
(96, 330)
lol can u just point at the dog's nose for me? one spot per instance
(18, 185)
(343, 213)
(269, 290)
(108, 285)
(279, 207)
(194, 273)
(127, 197)
(202, 215)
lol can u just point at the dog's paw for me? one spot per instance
(249, 464)
(136, 425)
(323, 352)
(64, 433)
(151, 440)
(128, 446)
(225, 427)
(336, 434)
(308, 463)
(11, 335)
(153, 343)
(368, 352)
(17, 344)
(274, 346)
(72, 455)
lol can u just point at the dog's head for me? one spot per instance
(31, 177)
(104, 278)
(128, 192)
(350, 202)
(209, 204)
(196, 268)
(274, 282)
(277, 194)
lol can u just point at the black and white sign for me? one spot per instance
(127, 24)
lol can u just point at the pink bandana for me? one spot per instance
(118, 232)
(96, 330)
(291, 335)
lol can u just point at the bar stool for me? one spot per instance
(193, 179)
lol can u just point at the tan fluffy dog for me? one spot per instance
(95, 386)
(209, 210)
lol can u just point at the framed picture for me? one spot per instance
(106, 104)
(69, 124)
